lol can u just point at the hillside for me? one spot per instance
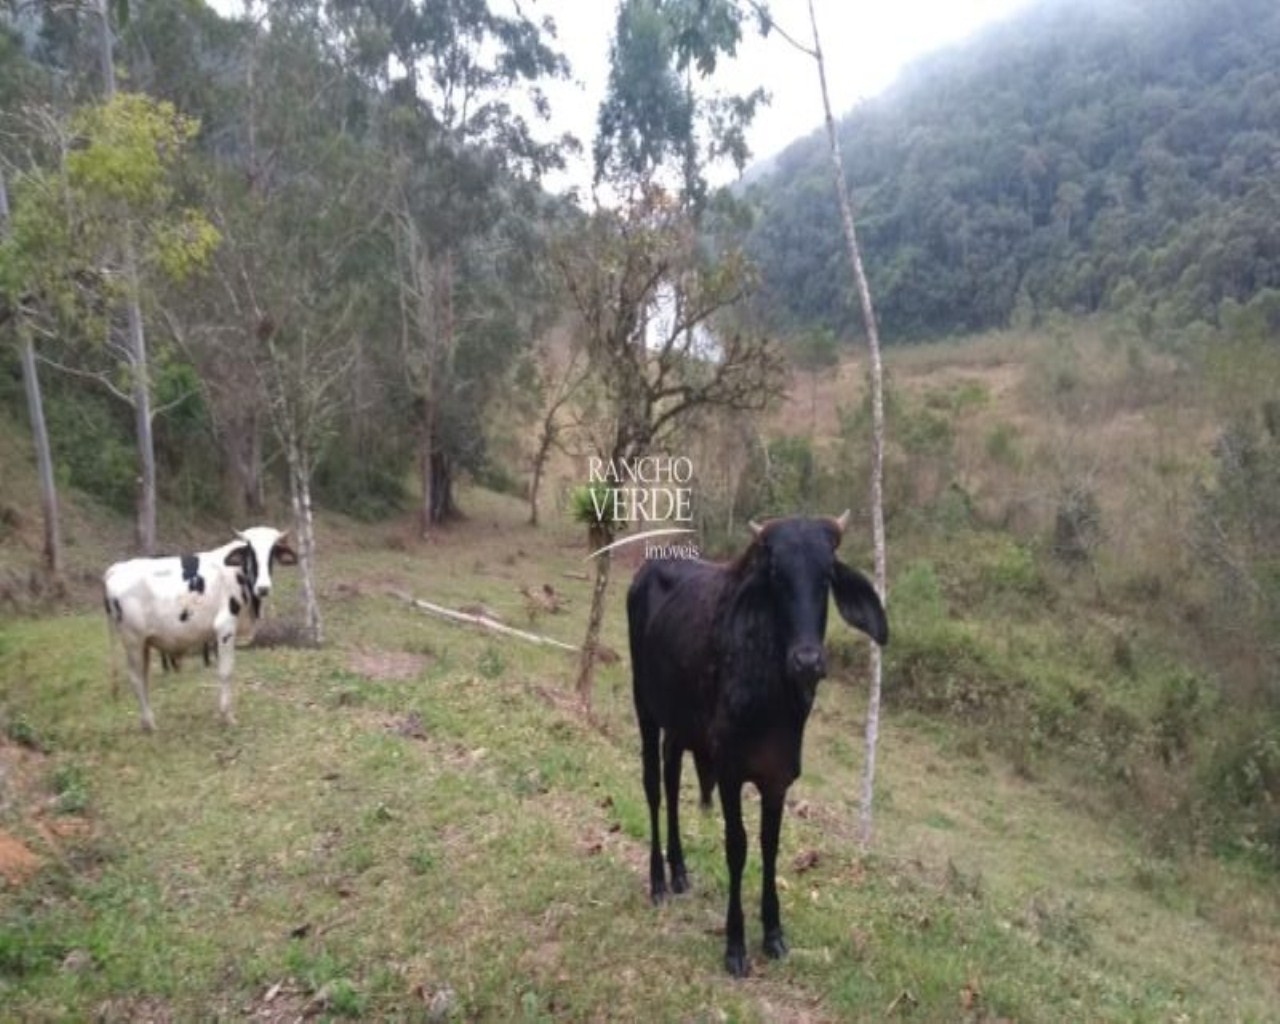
(1081, 156)
(417, 822)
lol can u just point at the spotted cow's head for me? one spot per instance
(263, 547)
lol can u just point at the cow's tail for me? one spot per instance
(706, 780)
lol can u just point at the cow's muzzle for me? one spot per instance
(807, 664)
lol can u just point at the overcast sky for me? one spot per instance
(866, 43)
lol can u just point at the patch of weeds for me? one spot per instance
(531, 782)
(964, 883)
(1013, 570)
(19, 730)
(422, 860)
(347, 692)
(72, 788)
(1058, 923)
(1003, 446)
(26, 950)
(359, 858)
(491, 664)
(327, 980)
(1155, 875)
(381, 814)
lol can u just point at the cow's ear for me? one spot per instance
(285, 555)
(859, 603)
(236, 556)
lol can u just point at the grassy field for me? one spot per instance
(416, 823)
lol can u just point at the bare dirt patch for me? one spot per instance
(17, 862)
(387, 666)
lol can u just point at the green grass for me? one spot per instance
(492, 858)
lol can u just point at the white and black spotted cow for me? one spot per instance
(187, 602)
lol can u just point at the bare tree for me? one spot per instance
(646, 301)
(561, 381)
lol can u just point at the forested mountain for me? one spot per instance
(1085, 155)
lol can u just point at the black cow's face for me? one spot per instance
(802, 569)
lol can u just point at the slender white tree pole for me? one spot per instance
(877, 428)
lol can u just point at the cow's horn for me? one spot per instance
(842, 521)
(283, 537)
(756, 529)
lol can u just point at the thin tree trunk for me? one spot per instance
(877, 421)
(146, 524)
(425, 508)
(105, 53)
(539, 464)
(587, 659)
(44, 456)
(39, 430)
(443, 507)
(304, 520)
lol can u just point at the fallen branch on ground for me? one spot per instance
(479, 620)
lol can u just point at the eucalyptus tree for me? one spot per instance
(19, 302)
(464, 159)
(297, 276)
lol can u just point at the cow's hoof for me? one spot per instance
(658, 893)
(679, 880)
(775, 945)
(228, 719)
(736, 962)
(148, 724)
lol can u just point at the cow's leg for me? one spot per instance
(735, 853)
(139, 659)
(672, 756)
(771, 804)
(226, 662)
(649, 740)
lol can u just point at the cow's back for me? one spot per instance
(171, 602)
(671, 611)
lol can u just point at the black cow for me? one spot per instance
(725, 661)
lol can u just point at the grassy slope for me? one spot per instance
(418, 816)
(319, 855)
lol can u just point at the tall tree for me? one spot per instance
(462, 159)
(20, 268)
(25, 334)
(298, 271)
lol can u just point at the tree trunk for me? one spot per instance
(146, 523)
(304, 524)
(425, 507)
(599, 537)
(39, 430)
(539, 464)
(443, 507)
(44, 456)
(105, 54)
(241, 439)
(877, 421)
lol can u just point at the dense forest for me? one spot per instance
(1082, 156)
